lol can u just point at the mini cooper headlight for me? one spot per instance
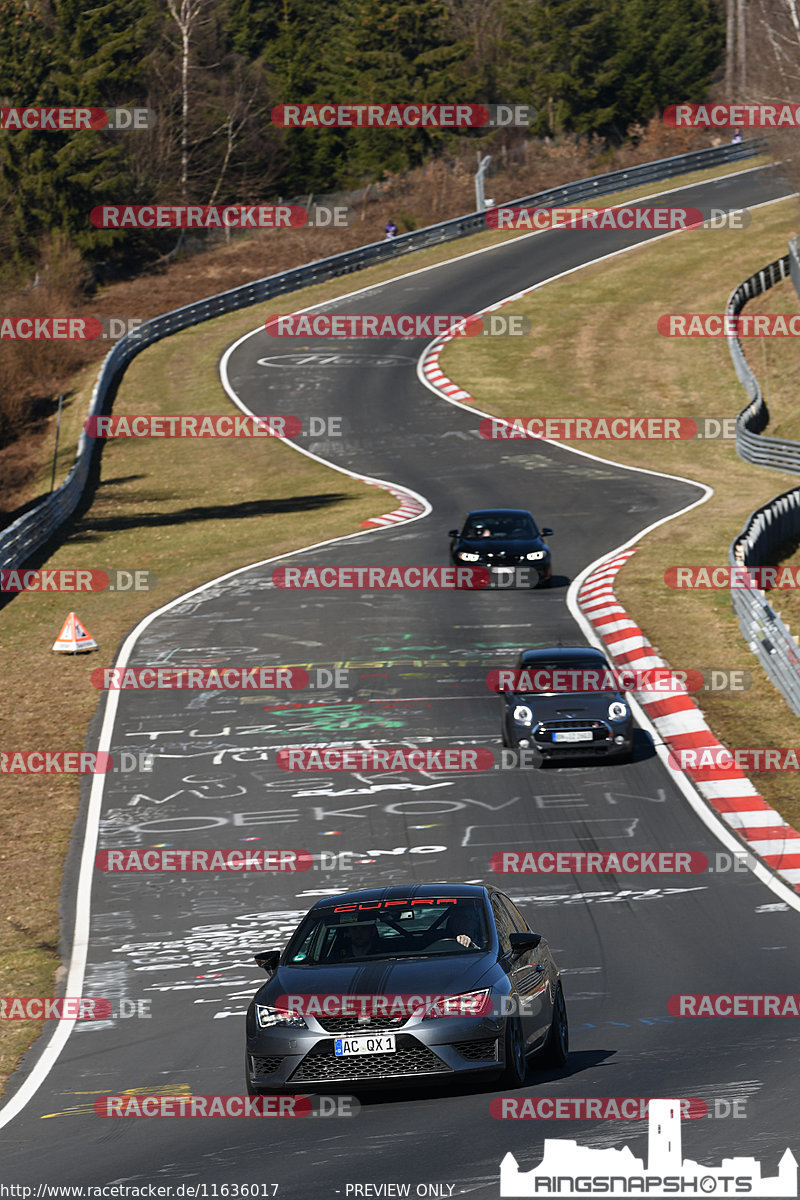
(523, 715)
(468, 556)
(617, 711)
(535, 555)
(272, 1018)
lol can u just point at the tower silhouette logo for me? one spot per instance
(568, 1169)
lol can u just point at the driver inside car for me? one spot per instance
(463, 925)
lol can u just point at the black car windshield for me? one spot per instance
(511, 526)
(565, 675)
(422, 928)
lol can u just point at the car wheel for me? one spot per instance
(557, 1047)
(516, 1065)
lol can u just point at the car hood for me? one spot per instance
(500, 545)
(442, 976)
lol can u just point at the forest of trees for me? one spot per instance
(212, 70)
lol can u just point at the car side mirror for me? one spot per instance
(453, 533)
(520, 942)
(268, 960)
(546, 532)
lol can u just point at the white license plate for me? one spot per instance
(365, 1043)
(573, 735)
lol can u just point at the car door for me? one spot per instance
(528, 972)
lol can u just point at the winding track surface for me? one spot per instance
(417, 666)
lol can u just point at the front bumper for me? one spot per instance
(607, 741)
(299, 1058)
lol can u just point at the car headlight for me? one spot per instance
(617, 711)
(270, 1018)
(523, 715)
(465, 1004)
(468, 556)
(535, 555)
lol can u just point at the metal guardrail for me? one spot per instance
(774, 523)
(35, 527)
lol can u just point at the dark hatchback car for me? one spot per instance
(567, 703)
(503, 538)
(406, 984)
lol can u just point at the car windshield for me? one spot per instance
(516, 525)
(422, 928)
(565, 675)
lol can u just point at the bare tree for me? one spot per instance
(187, 15)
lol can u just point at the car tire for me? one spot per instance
(557, 1046)
(516, 1064)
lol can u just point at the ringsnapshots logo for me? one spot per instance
(398, 325)
(570, 1170)
(74, 120)
(402, 116)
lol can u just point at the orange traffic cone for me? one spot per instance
(74, 639)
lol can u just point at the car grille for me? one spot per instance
(599, 730)
(478, 1051)
(410, 1058)
(266, 1065)
(354, 1025)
